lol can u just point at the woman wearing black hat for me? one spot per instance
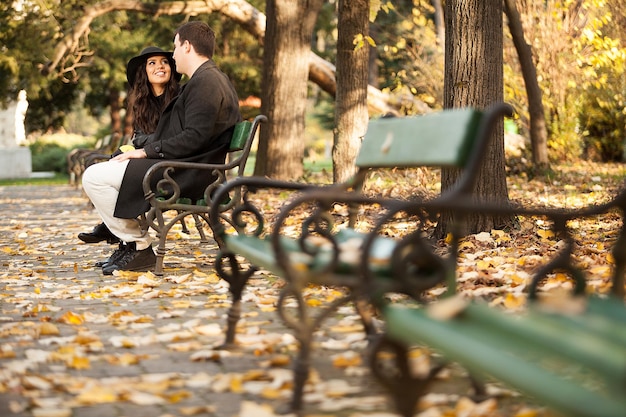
(153, 83)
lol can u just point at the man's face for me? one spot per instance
(178, 55)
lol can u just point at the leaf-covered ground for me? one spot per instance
(76, 343)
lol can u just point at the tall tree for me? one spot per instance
(351, 99)
(474, 78)
(538, 130)
(288, 35)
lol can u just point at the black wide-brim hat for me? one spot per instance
(135, 62)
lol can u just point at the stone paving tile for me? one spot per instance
(47, 275)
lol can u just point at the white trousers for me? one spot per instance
(101, 183)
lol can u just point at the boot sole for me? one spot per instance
(136, 269)
(93, 239)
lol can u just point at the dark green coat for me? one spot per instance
(196, 126)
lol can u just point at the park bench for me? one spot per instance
(570, 356)
(314, 241)
(171, 200)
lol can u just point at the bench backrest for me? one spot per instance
(439, 139)
(240, 136)
(241, 141)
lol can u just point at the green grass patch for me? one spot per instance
(57, 179)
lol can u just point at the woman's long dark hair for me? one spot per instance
(145, 107)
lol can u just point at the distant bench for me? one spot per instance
(336, 237)
(238, 152)
(79, 159)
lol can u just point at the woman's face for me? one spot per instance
(158, 70)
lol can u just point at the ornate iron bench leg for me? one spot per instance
(301, 369)
(237, 278)
(183, 225)
(200, 228)
(160, 254)
(363, 308)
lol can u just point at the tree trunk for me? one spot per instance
(115, 107)
(288, 37)
(474, 78)
(538, 131)
(351, 99)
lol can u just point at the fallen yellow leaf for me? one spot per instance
(97, 395)
(71, 318)
(48, 329)
(79, 362)
(545, 234)
(346, 359)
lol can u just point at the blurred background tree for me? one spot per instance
(577, 46)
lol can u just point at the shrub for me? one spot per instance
(49, 152)
(48, 157)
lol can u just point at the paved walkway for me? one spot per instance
(76, 343)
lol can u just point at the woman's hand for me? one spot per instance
(134, 154)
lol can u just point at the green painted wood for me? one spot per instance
(259, 252)
(604, 319)
(441, 139)
(240, 135)
(563, 336)
(256, 250)
(507, 355)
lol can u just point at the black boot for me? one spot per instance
(132, 260)
(98, 234)
(117, 254)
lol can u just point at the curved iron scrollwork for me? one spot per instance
(413, 263)
(246, 214)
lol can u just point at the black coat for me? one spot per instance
(196, 126)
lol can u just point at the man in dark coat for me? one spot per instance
(196, 126)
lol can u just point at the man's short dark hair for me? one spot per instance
(200, 36)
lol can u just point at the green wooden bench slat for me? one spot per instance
(438, 139)
(256, 250)
(609, 307)
(259, 252)
(466, 341)
(560, 335)
(534, 335)
(240, 135)
(602, 319)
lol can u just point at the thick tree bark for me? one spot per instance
(351, 100)
(474, 78)
(284, 90)
(538, 130)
